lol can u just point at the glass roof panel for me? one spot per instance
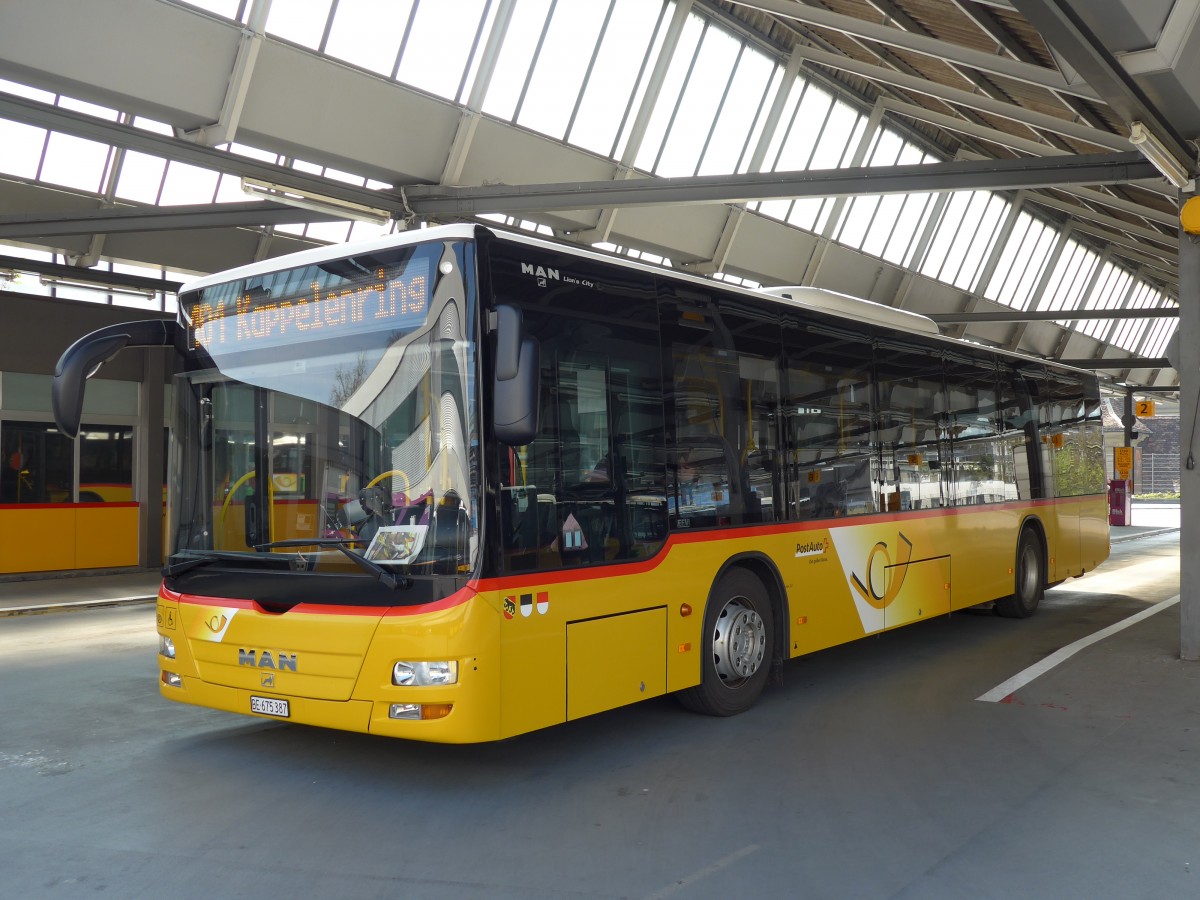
(882, 229)
(299, 21)
(1128, 332)
(368, 33)
(805, 212)
(151, 125)
(440, 44)
(860, 212)
(1021, 262)
(1070, 277)
(228, 9)
(24, 90)
(253, 152)
(558, 75)
(702, 95)
(664, 103)
(1157, 335)
(607, 91)
(910, 225)
(1109, 293)
(806, 128)
(75, 162)
(141, 177)
(229, 190)
(22, 148)
(760, 121)
(89, 109)
(188, 184)
(515, 57)
(737, 117)
(837, 138)
(333, 232)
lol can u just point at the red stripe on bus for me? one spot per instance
(715, 535)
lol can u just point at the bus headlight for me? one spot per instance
(166, 647)
(424, 674)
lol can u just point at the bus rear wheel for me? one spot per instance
(1029, 579)
(737, 642)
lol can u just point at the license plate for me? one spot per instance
(269, 706)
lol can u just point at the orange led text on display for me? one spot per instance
(352, 308)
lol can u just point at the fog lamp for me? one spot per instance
(171, 679)
(419, 710)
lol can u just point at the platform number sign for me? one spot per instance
(1144, 409)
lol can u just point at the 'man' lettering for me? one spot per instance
(285, 661)
(539, 271)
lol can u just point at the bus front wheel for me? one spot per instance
(1029, 579)
(737, 642)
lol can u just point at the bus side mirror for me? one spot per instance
(84, 357)
(77, 365)
(515, 386)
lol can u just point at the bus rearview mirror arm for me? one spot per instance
(515, 385)
(84, 357)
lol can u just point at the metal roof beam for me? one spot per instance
(1068, 34)
(965, 98)
(1023, 145)
(1100, 168)
(987, 22)
(1064, 315)
(81, 125)
(126, 219)
(1115, 364)
(1039, 76)
(1131, 250)
(1130, 228)
(98, 277)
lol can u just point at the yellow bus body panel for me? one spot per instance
(537, 650)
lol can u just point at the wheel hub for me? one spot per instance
(740, 642)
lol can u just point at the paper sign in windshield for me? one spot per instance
(397, 544)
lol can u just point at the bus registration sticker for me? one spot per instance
(269, 706)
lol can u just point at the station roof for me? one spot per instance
(970, 160)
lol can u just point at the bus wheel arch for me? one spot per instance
(1030, 573)
(740, 638)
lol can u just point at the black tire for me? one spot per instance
(737, 647)
(1029, 579)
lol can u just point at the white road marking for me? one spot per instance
(1018, 681)
(703, 873)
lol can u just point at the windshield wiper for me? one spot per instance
(382, 575)
(194, 562)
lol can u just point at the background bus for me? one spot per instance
(456, 484)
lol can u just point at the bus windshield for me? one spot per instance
(326, 423)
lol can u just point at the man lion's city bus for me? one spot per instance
(457, 484)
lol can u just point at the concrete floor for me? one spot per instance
(872, 772)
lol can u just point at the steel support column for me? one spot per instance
(1189, 474)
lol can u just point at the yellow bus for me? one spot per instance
(459, 484)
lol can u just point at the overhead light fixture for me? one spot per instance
(333, 206)
(1153, 149)
(52, 281)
